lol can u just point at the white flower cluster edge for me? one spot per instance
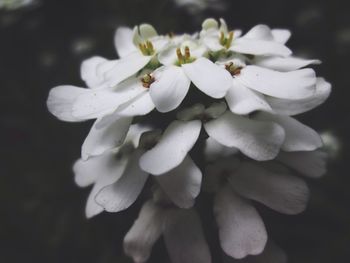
(254, 149)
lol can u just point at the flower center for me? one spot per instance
(147, 48)
(147, 80)
(184, 58)
(226, 41)
(234, 70)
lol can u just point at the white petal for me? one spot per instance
(281, 35)
(126, 67)
(311, 164)
(242, 100)
(177, 140)
(299, 137)
(214, 150)
(106, 169)
(284, 64)
(169, 88)
(190, 113)
(241, 229)
(182, 184)
(280, 191)
(259, 47)
(100, 140)
(168, 56)
(293, 107)
(61, 99)
(271, 254)
(89, 72)
(123, 193)
(297, 84)
(215, 110)
(262, 32)
(123, 41)
(208, 77)
(147, 31)
(100, 102)
(256, 139)
(184, 238)
(145, 231)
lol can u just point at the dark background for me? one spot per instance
(41, 209)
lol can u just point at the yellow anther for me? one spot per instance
(179, 55)
(187, 53)
(226, 41)
(147, 48)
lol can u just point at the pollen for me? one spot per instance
(226, 41)
(147, 80)
(147, 48)
(234, 70)
(184, 58)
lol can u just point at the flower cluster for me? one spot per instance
(209, 111)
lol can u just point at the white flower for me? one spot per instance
(234, 182)
(136, 49)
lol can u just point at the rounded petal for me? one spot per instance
(281, 35)
(241, 229)
(168, 56)
(297, 84)
(104, 170)
(256, 139)
(100, 140)
(242, 100)
(182, 184)
(280, 191)
(262, 32)
(169, 89)
(126, 67)
(284, 64)
(145, 231)
(208, 77)
(61, 100)
(214, 150)
(89, 72)
(120, 195)
(184, 238)
(259, 47)
(311, 164)
(299, 137)
(100, 102)
(123, 41)
(293, 107)
(177, 140)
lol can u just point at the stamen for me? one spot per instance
(179, 55)
(230, 67)
(226, 41)
(229, 40)
(187, 53)
(184, 58)
(147, 80)
(147, 48)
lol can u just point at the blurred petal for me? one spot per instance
(182, 184)
(123, 41)
(297, 84)
(126, 67)
(293, 107)
(262, 32)
(299, 137)
(256, 139)
(61, 99)
(284, 64)
(259, 47)
(280, 191)
(242, 100)
(120, 195)
(281, 35)
(241, 229)
(208, 77)
(145, 231)
(100, 140)
(177, 140)
(311, 164)
(184, 238)
(170, 88)
(89, 73)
